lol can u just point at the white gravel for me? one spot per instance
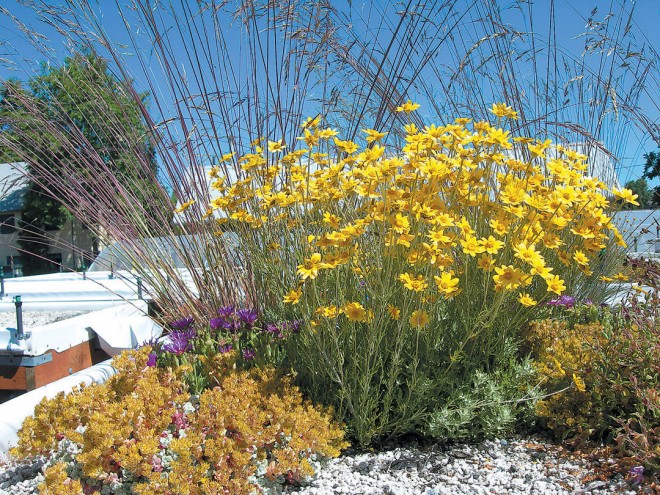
(36, 318)
(515, 467)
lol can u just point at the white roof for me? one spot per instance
(12, 185)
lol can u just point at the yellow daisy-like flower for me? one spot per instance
(447, 284)
(527, 300)
(417, 284)
(185, 206)
(293, 296)
(502, 110)
(626, 195)
(555, 284)
(579, 383)
(580, 258)
(394, 312)
(620, 277)
(419, 318)
(485, 262)
(527, 253)
(354, 311)
(276, 146)
(491, 245)
(310, 268)
(373, 135)
(507, 277)
(472, 246)
(408, 107)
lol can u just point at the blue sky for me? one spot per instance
(570, 15)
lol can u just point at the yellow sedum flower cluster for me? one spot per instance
(139, 432)
(454, 204)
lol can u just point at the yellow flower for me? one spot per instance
(394, 312)
(485, 262)
(527, 300)
(310, 268)
(419, 318)
(276, 146)
(327, 133)
(447, 284)
(472, 246)
(539, 268)
(354, 311)
(491, 245)
(408, 107)
(507, 277)
(502, 110)
(293, 296)
(527, 253)
(400, 223)
(580, 258)
(620, 277)
(626, 195)
(185, 206)
(347, 146)
(373, 135)
(555, 284)
(579, 383)
(417, 284)
(332, 220)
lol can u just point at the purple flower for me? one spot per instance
(295, 325)
(151, 360)
(224, 349)
(180, 341)
(249, 354)
(275, 330)
(565, 301)
(216, 323)
(247, 316)
(226, 312)
(636, 474)
(231, 325)
(183, 323)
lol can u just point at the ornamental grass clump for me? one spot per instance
(142, 432)
(414, 266)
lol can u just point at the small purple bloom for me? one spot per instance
(565, 301)
(275, 330)
(247, 316)
(249, 354)
(224, 349)
(636, 474)
(295, 326)
(151, 360)
(216, 323)
(226, 312)
(231, 325)
(183, 323)
(180, 341)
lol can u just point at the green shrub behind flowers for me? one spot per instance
(413, 266)
(142, 432)
(607, 365)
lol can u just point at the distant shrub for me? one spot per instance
(606, 369)
(142, 433)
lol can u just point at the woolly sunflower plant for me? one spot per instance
(414, 265)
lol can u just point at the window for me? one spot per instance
(55, 260)
(7, 224)
(14, 260)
